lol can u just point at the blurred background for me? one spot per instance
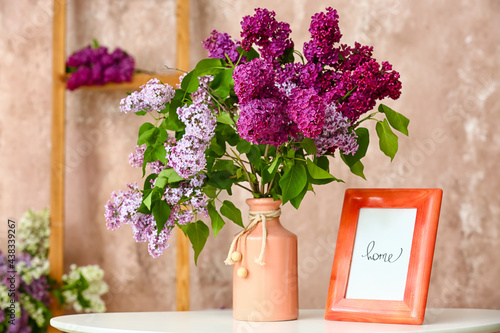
(448, 54)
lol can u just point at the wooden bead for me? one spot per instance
(242, 272)
(236, 256)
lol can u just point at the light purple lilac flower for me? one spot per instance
(137, 159)
(153, 96)
(156, 167)
(188, 193)
(336, 134)
(199, 120)
(201, 94)
(122, 209)
(187, 157)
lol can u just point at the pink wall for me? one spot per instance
(447, 53)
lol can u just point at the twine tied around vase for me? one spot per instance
(254, 217)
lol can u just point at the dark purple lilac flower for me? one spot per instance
(255, 79)
(264, 121)
(353, 57)
(96, 66)
(20, 324)
(263, 30)
(389, 84)
(356, 91)
(325, 33)
(220, 44)
(80, 58)
(82, 77)
(302, 76)
(307, 110)
(39, 290)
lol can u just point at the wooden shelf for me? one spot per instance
(137, 80)
(58, 164)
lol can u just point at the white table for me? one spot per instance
(310, 321)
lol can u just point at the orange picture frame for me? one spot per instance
(359, 206)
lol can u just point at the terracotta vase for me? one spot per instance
(267, 291)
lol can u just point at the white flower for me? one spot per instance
(31, 308)
(4, 297)
(93, 274)
(38, 267)
(34, 232)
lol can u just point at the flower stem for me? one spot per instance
(370, 116)
(240, 162)
(243, 187)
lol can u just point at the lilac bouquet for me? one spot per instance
(94, 65)
(25, 287)
(252, 116)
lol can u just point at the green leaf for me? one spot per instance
(219, 179)
(230, 211)
(309, 146)
(210, 191)
(206, 66)
(161, 213)
(172, 122)
(254, 156)
(250, 55)
(160, 152)
(269, 173)
(197, 233)
(396, 120)
(243, 147)
(171, 175)
(298, 199)
(318, 175)
(225, 118)
(323, 163)
(293, 182)
(190, 82)
(147, 135)
(144, 128)
(148, 200)
(223, 165)
(222, 83)
(287, 56)
(215, 218)
(218, 145)
(363, 143)
(357, 169)
(316, 172)
(177, 101)
(388, 140)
